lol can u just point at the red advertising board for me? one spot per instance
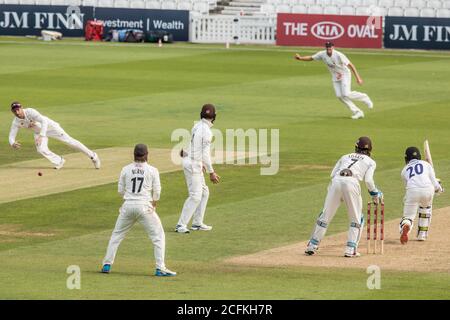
(316, 29)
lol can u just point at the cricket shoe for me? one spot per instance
(311, 250)
(106, 268)
(164, 272)
(352, 255)
(404, 234)
(181, 229)
(422, 236)
(96, 161)
(202, 227)
(358, 115)
(369, 103)
(61, 164)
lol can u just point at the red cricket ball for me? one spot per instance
(39, 173)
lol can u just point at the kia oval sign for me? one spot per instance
(315, 29)
(327, 30)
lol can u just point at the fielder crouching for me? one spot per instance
(421, 185)
(140, 186)
(348, 171)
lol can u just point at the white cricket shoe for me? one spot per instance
(422, 236)
(96, 160)
(202, 227)
(61, 164)
(164, 272)
(358, 115)
(352, 254)
(181, 229)
(369, 103)
(311, 250)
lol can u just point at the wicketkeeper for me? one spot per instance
(346, 175)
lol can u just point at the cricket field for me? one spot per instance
(112, 96)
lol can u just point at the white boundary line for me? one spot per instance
(381, 52)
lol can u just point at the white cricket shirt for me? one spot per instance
(419, 174)
(337, 64)
(34, 121)
(362, 167)
(139, 182)
(199, 150)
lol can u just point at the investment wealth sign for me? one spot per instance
(21, 20)
(315, 29)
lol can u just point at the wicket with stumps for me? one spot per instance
(374, 237)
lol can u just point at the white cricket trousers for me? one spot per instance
(129, 214)
(416, 198)
(61, 135)
(345, 95)
(348, 190)
(195, 205)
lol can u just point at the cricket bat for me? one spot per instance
(426, 150)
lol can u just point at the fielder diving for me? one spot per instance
(44, 128)
(348, 171)
(140, 186)
(196, 159)
(340, 66)
(421, 185)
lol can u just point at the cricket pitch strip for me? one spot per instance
(432, 255)
(20, 180)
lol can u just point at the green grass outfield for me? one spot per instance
(110, 95)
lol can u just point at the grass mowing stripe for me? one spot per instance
(376, 52)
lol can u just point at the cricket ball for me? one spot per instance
(39, 173)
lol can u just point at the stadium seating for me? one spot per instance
(362, 11)
(443, 13)
(427, 12)
(407, 8)
(89, 3)
(331, 10)
(137, 4)
(411, 12)
(315, 10)
(369, 3)
(121, 4)
(153, 4)
(169, 5)
(105, 3)
(347, 11)
(395, 11)
(339, 3)
(185, 5)
(283, 8)
(299, 9)
(401, 3)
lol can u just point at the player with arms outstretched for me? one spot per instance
(43, 129)
(421, 185)
(346, 175)
(340, 66)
